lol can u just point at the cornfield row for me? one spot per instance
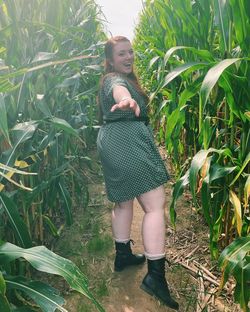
(50, 68)
(197, 70)
(192, 57)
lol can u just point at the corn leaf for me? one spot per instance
(234, 261)
(204, 54)
(2, 284)
(23, 309)
(196, 164)
(216, 233)
(21, 133)
(153, 61)
(45, 260)
(23, 71)
(44, 108)
(43, 56)
(64, 125)
(51, 226)
(8, 177)
(3, 121)
(59, 62)
(190, 91)
(206, 202)
(237, 210)
(240, 21)
(212, 77)
(217, 171)
(231, 255)
(247, 191)
(207, 131)
(222, 18)
(245, 163)
(2, 49)
(242, 289)
(67, 203)
(12, 171)
(247, 114)
(19, 227)
(177, 192)
(173, 119)
(179, 70)
(4, 304)
(44, 295)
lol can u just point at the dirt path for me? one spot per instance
(120, 292)
(125, 293)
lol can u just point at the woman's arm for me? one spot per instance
(124, 100)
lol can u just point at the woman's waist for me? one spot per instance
(144, 119)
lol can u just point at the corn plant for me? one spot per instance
(49, 69)
(234, 260)
(49, 73)
(45, 296)
(199, 66)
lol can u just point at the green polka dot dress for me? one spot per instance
(130, 160)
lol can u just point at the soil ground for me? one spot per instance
(89, 244)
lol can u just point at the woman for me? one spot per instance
(132, 167)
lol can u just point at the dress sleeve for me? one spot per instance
(110, 81)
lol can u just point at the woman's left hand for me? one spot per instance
(127, 104)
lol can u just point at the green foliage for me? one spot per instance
(16, 222)
(45, 296)
(49, 72)
(197, 70)
(3, 300)
(46, 261)
(100, 244)
(50, 67)
(235, 260)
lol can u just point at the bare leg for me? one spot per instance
(153, 226)
(122, 216)
(153, 233)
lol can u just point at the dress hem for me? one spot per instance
(138, 194)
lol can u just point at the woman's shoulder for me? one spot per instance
(110, 75)
(112, 79)
(114, 76)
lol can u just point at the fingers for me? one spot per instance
(135, 108)
(128, 104)
(124, 105)
(137, 111)
(114, 107)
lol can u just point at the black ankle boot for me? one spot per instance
(155, 284)
(124, 256)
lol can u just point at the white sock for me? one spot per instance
(154, 256)
(122, 216)
(124, 241)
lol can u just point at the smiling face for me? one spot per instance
(123, 58)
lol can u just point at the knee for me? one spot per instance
(158, 205)
(158, 208)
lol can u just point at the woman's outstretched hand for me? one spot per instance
(127, 104)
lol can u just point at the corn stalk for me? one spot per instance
(199, 69)
(49, 72)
